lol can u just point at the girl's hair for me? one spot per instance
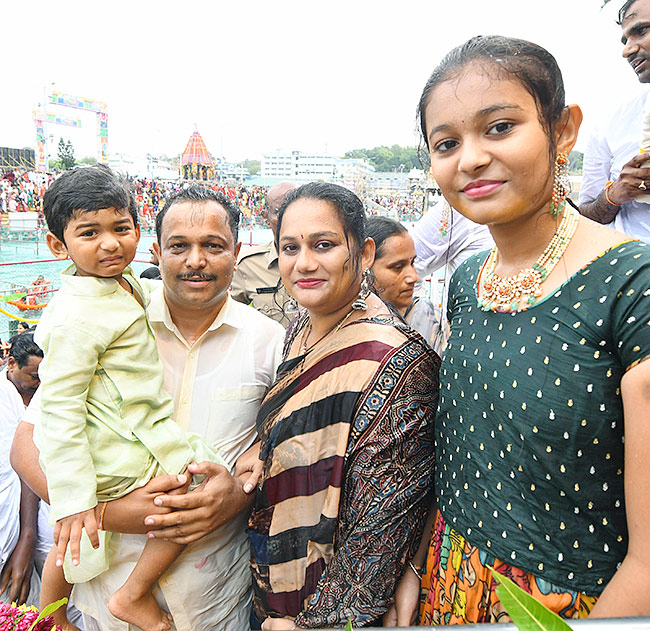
(382, 228)
(529, 64)
(349, 207)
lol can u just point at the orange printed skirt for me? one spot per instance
(458, 587)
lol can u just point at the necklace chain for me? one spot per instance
(518, 292)
(304, 349)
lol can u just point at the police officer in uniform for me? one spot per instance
(257, 279)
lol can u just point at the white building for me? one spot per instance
(146, 166)
(299, 166)
(396, 181)
(311, 167)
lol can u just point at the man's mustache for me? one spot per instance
(196, 276)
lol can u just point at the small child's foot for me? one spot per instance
(143, 612)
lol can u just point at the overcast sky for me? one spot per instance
(256, 75)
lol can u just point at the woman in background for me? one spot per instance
(395, 277)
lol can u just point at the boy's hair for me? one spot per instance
(85, 189)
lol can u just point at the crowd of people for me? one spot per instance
(363, 458)
(405, 206)
(22, 191)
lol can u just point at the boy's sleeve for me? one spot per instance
(71, 364)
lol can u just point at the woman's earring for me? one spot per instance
(561, 184)
(292, 305)
(360, 303)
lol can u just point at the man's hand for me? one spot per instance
(17, 571)
(198, 513)
(128, 513)
(70, 529)
(626, 187)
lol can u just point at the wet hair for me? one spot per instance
(529, 64)
(197, 194)
(23, 347)
(622, 12)
(349, 207)
(85, 189)
(382, 228)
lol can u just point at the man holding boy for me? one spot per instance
(219, 358)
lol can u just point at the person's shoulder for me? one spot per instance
(621, 113)
(254, 320)
(7, 389)
(471, 265)
(253, 251)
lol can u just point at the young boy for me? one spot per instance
(106, 424)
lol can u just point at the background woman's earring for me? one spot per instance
(360, 303)
(561, 184)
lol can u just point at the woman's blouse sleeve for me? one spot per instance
(386, 492)
(630, 322)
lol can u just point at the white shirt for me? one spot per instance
(12, 409)
(217, 386)
(434, 250)
(614, 143)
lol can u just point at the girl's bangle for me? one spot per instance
(609, 201)
(417, 569)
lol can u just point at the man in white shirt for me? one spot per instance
(614, 173)
(445, 238)
(220, 357)
(18, 504)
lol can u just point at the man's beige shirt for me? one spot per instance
(217, 385)
(257, 283)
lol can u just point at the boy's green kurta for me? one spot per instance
(106, 420)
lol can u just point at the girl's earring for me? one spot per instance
(561, 184)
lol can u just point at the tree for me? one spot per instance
(395, 158)
(253, 166)
(88, 160)
(575, 162)
(65, 152)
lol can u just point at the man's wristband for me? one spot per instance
(609, 201)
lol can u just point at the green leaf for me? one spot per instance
(50, 609)
(12, 297)
(348, 626)
(526, 612)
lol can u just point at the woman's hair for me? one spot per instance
(517, 59)
(382, 228)
(349, 207)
